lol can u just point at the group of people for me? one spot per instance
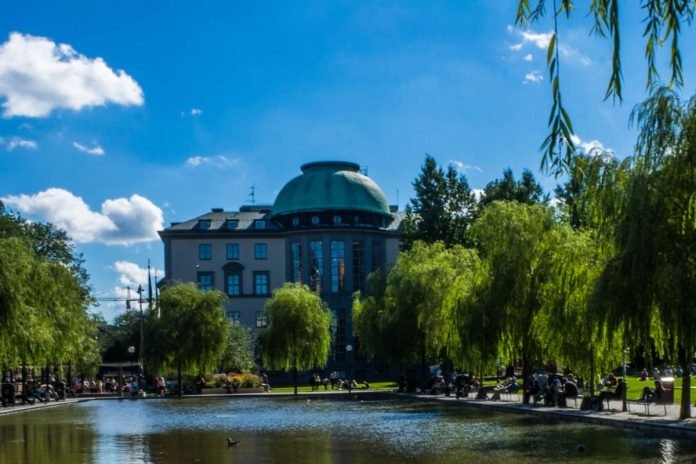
(13, 391)
(553, 389)
(334, 382)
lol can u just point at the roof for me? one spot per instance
(331, 185)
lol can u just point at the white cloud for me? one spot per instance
(133, 275)
(122, 221)
(461, 167)
(534, 77)
(220, 161)
(17, 142)
(38, 76)
(478, 194)
(541, 41)
(196, 111)
(592, 147)
(96, 150)
(528, 57)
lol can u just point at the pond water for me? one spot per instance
(317, 431)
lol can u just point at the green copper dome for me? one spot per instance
(330, 185)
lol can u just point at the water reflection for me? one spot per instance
(320, 431)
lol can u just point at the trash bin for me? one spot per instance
(668, 385)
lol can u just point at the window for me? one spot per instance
(338, 266)
(234, 284)
(260, 319)
(234, 316)
(315, 220)
(295, 221)
(232, 251)
(232, 224)
(339, 345)
(260, 251)
(316, 264)
(205, 251)
(358, 265)
(261, 279)
(296, 261)
(376, 255)
(337, 220)
(204, 224)
(260, 224)
(206, 280)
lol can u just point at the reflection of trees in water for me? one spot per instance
(36, 438)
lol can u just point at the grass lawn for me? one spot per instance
(304, 388)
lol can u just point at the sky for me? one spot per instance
(117, 118)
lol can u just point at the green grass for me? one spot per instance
(374, 386)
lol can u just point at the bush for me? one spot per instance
(250, 380)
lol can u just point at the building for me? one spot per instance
(328, 228)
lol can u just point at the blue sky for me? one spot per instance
(118, 118)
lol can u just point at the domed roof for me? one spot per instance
(330, 185)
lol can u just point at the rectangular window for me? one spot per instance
(206, 280)
(340, 335)
(260, 251)
(234, 316)
(316, 264)
(232, 250)
(338, 266)
(261, 283)
(296, 262)
(261, 319)
(204, 224)
(358, 265)
(205, 251)
(232, 224)
(260, 224)
(234, 284)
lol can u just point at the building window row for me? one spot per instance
(233, 282)
(205, 251)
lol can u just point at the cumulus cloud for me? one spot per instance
(220, 161)
(121, 221)
(461, 167)
(478, 194)
(132, 275)
(528, 57)
(534, 77)
(17, 142)
(196, 111)
(38, 76)
(95, 151)
(591, 147)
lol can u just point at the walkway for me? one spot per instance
(37, 405)
(636, 419)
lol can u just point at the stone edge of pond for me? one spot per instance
(21, 408)
(617, 419)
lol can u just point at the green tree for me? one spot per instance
(442, 209)
(663, 22)
(526, 190)
(239, 355)
(516, 243)
(297, 336)
(191, 333)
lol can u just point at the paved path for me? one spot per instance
(37, 405)
(636, 418)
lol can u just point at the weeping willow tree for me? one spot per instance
(666, 169)
(570, 326)
(191, 333)
(298, 335)
(516, 243)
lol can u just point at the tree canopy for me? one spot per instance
(298, 335)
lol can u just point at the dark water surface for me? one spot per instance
(316, 431)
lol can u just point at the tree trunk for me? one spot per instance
(181, 384)
(294, 378)
(685, 410)
(592, 372)
(526, 388)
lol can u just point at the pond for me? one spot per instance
(317, 431)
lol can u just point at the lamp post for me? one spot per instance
(624, 407)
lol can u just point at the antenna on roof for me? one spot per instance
(253, 195)
(397, 199)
